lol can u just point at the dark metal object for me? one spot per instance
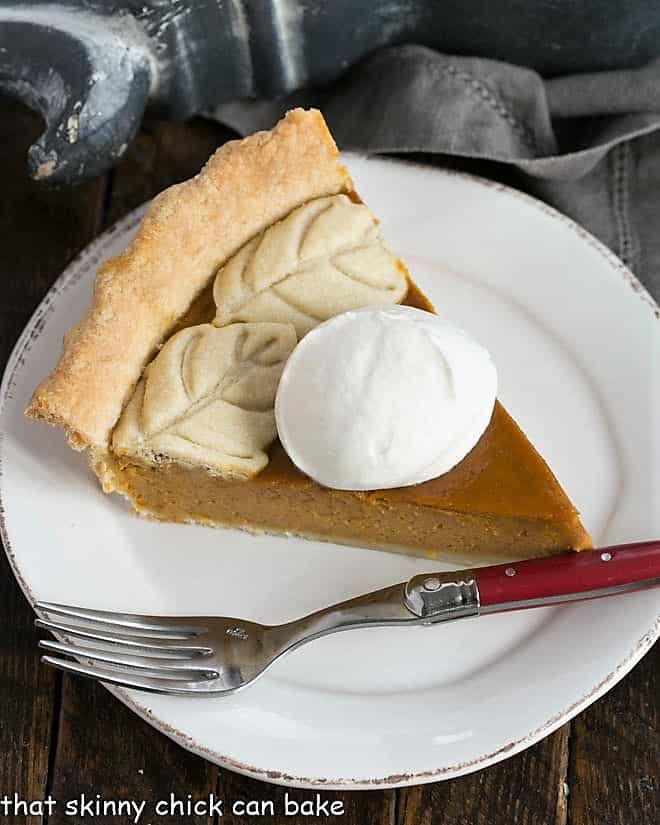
(90, 67)
(89, 80)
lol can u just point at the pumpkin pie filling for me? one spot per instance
(501, 500)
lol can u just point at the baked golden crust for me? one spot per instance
(208, 398)
(325, 257)
(188, 232)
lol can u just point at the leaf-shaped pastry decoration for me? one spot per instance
(324, 258)
(207, 398)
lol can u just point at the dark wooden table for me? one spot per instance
(66, 736)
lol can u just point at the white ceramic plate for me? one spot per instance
(575, 338)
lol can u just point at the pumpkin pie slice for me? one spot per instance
(168, 382)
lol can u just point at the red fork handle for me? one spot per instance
(569, 577)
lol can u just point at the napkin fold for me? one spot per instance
(588, 144)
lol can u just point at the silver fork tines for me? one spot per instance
(128, 678)
(121, 620)
(135, 641)
(148, 653)
(165, 667)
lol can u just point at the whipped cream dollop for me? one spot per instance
(383, 397)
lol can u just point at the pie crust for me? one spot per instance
(326, 257)
(207, 399)
(189, 231)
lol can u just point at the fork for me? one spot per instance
(210, 656)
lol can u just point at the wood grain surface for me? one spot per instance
(71, 737)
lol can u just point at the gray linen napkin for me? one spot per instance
(587, 144)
